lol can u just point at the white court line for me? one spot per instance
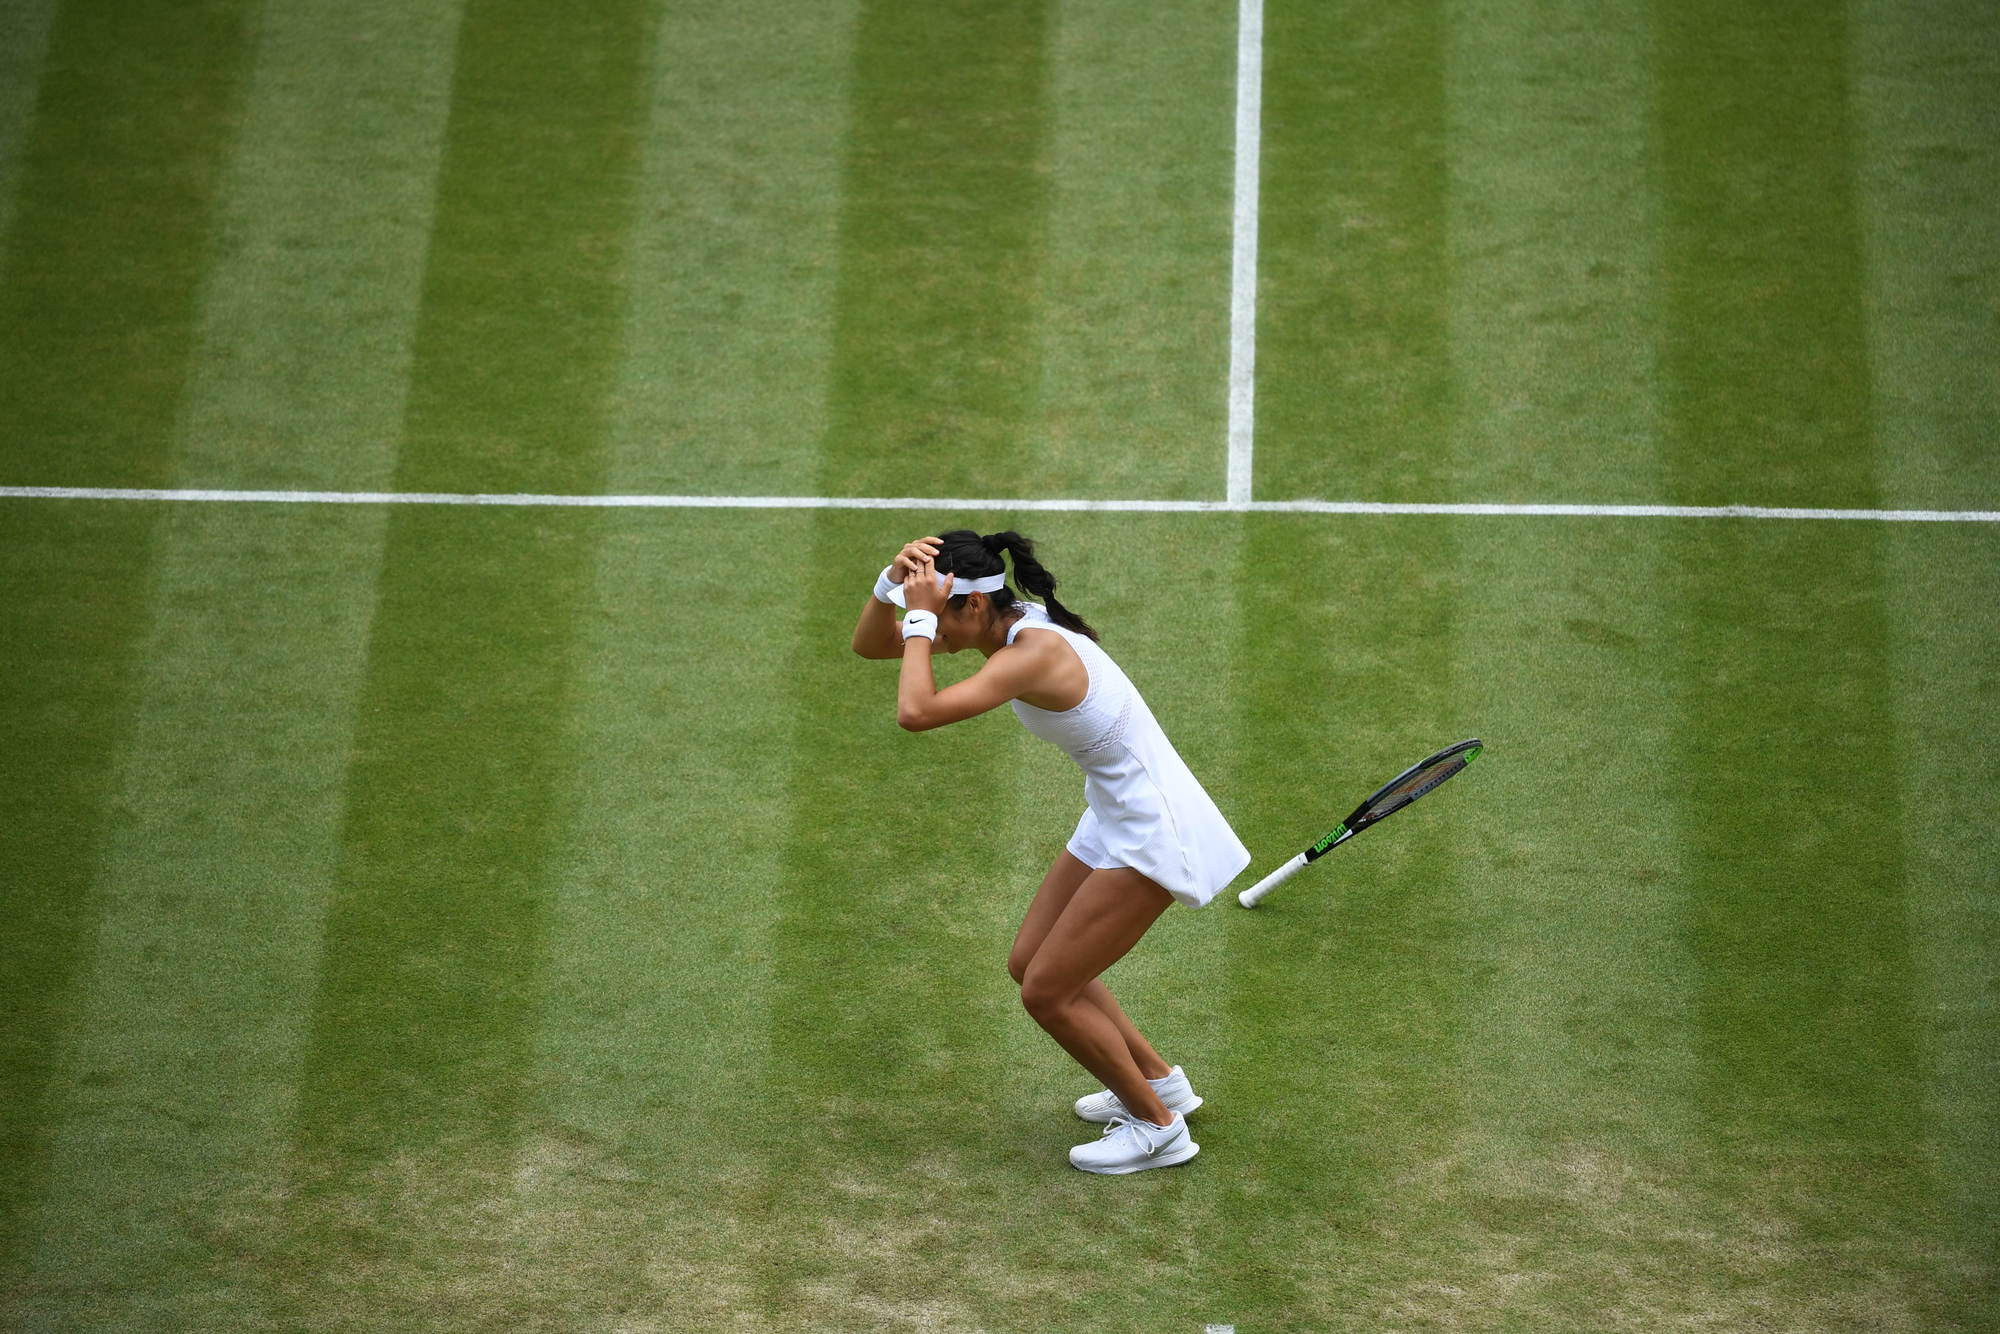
(1243, 265)
(960, 503)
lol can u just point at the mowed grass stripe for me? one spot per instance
(309, 318)
(213, 879)
(932, 1184)
(890, 1003)
(1787, 769)
(1927, 98)
(1158, 593)
(637, 1186)
(419, 1076)
(1134, 324)
(1553, 249)
(1948, 641)
(1927, 79)
(27, 23)
(1353, 368)
(733, 267)
(171, 1120)
(1346, 989)
(108, 239)
(936, 358)
(1346, 993)
(1577, 1057)
(1766, 358)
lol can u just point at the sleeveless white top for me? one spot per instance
(1144, 808)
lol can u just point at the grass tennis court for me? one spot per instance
(452, 918)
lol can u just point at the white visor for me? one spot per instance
(991, 583)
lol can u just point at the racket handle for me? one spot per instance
(1249, 897)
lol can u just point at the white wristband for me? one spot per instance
(883, 585)
(920, 625)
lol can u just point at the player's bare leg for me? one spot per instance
(1058, 887)
(1105, 917)
(1149, 1061)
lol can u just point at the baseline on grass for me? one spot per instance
(1384, 801)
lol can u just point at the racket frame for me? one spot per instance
(1359, 819)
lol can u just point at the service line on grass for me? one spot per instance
(1243, 265)
(1063, 506)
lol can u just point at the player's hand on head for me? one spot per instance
(921, 591)
(924, 549)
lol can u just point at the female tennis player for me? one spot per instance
(1149, 835)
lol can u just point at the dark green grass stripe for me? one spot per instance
(109, 238)
(1354, 382)
(75, 610)
(421, 1029)
(1788, 763)
(1763, 347)
(523, 293)
(1346, 988)
(97, 306)
(1765, 353)
(27, 24)
(936, 362)
(1927, 89)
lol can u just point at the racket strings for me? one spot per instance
(1416, 785)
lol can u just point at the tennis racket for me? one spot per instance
(1386, 800)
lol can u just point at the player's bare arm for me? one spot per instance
(875, 634)
(1025, 670)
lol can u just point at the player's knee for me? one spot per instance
(1017, 965)
(1043, 996)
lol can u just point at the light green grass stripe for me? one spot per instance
(636, 1185)
(1577, 1056)
(1553, 251)
(732, 273)
(26, 25)
(1948, 638)
(180, 1098)
(1135, 310)
(309, 316)
(1927, 78)
(176, 1105)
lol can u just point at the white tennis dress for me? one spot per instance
(1144, 808)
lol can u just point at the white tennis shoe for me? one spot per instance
(1173, 1088)
(1132, 1145)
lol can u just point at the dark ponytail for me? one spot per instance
(966, 554)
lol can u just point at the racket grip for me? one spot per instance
(1249, 897)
